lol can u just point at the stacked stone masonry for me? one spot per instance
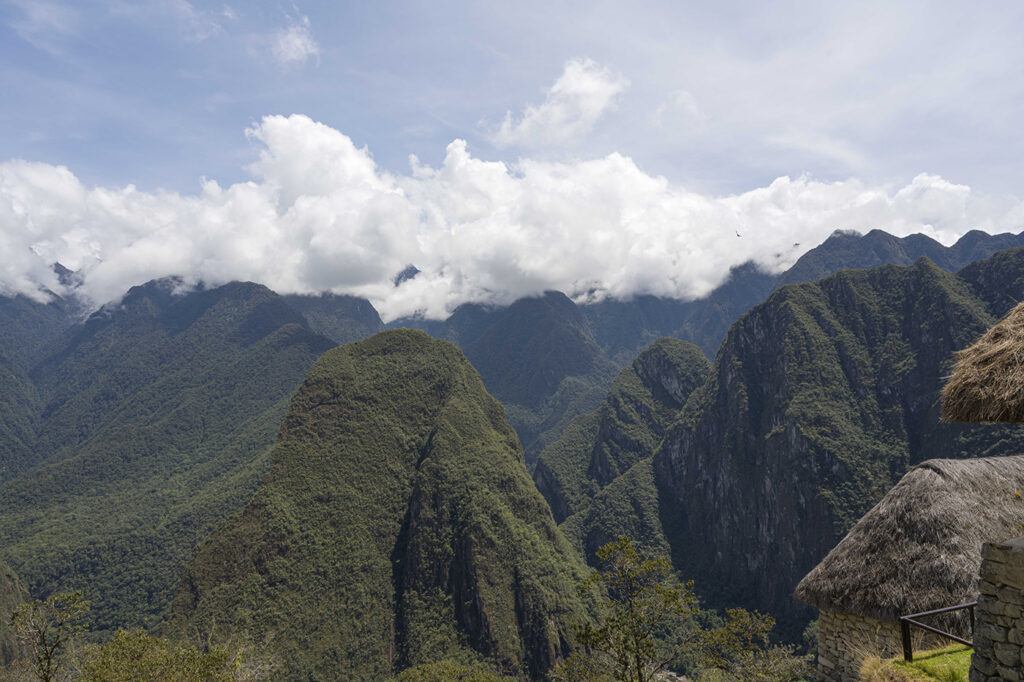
(999, 634)
(844, 639)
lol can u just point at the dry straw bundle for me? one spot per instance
(919, 548)
(988, 381)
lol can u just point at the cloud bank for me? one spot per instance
(319, 215)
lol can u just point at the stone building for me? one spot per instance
(917, 550)
(987, 385)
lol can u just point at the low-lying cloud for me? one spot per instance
(319, 215)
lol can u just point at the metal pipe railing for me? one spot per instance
(911, 619)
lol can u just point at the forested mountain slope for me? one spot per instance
(343, 319)
(820, 399)
(157, 417)
(600, 446)
(544, 386)
(12, 593)
(28, 329)
(397, 526)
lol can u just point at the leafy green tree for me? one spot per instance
(739, 649)
(641, 604)
(133, 656)
(649, 621)
(450, 671)
(46, 628)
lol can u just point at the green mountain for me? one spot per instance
(821, 398)
(598, 447)
(12, 593)
(397, 526)
(342, 319)
(846, 250)
(623, 328)
(156, 421)
(27, 329)
(537, 356)
(548, 359)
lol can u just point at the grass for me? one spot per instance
(949, 664)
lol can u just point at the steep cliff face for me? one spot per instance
(599, 449)
(821, 398)
(397, 526)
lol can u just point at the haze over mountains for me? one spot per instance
(182, 432)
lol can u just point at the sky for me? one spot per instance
(597, 148)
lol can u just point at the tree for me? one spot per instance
(46, 628)
(135, 655)
(640, 603)
(648, 620)
(739, 649)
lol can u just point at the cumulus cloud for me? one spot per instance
(578, 98)
(295, 44)
(318, 214)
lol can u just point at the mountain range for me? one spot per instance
(819, 400)
(182, 432)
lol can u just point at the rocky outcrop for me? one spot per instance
(821, 398)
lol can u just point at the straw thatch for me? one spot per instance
(920, 547)
(988, 382)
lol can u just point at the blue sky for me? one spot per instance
(782, 121)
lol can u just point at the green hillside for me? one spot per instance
(28, 330)
(597, 447)
(12, 593)
(157, 420)
(342, 319)
(397, 526)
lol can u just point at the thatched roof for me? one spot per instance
(988, 381)
(920, 547)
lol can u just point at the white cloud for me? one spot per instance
(318, 214)
(295, 44)
(578, 98)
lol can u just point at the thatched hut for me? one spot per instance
(988, 381)
(918, 549)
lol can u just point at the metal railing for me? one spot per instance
(907, 621)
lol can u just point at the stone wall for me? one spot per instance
(999, 633)
(844, 639)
